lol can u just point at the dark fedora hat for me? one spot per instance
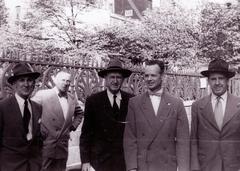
(115, 65)
(22, 69)
(218, 66)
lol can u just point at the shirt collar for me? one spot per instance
(110, 94)
(20, 100)
(157, 93)
(56, 89)
(223, 97)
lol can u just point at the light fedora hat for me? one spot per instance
(218, 66)
(22, 69)
(115, 65)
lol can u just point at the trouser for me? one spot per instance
(50, 164)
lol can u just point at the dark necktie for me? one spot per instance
(115, 106)
(63, 94)
(26, 117)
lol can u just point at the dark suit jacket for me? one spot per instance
(15, 151)
(54, 127)
(212, 148)
(102, 134)
(156, 143)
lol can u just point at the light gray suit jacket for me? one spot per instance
(156, 143)
(54, 127)
(213, 149)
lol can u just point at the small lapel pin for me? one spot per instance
(39, 121)
(168, 104)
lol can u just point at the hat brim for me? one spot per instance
(125, 72)
(33, 75)
(228, 74)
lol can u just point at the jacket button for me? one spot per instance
(53, 119)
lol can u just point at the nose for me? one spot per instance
(217, 81)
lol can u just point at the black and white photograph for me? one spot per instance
(119, 85)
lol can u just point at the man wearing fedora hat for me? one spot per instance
(20, 118)
(215, 130)
(101, 141)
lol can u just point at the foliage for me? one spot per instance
(220, 32)
(180, 37)
(60, 19)
(3, 13)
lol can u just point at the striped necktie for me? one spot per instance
(218, 112)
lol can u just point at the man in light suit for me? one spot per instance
(101, 141)
(20, 138)
(61, 115)
(156, 136)
(215, 130)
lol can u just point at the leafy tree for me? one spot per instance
(3, 13)
(220, 32)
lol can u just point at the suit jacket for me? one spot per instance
(102, 134)
(54, 127)
(211, 148)
(15, 151)
(156, 143)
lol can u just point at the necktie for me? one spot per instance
(115, 106)
(159, 94)
(218, 112)
(26, 117)
(62, 94)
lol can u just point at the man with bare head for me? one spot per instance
(61, 115)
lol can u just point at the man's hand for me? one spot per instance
(87, 167)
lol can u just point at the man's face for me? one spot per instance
(153, 77)
(218, 83)
(114, 81)
(62, 81)
(24, 86)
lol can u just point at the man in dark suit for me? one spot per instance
(156, 136)
(215, 130)
(101, 141)
(61, 115)
(20, 139)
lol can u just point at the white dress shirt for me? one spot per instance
(118, 98)
(63, 102)
(21, 105)
(223, 100)
(156, 100)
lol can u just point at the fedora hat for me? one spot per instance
(218, 66)
(22, 69)
(115, 65)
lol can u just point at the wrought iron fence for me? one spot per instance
(86, 80)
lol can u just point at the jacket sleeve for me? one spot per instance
(87, 132)
(78, 116)
(183, 139)
(194, 146)
(37, 98)
(130, 139)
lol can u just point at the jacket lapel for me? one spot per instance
(16, 110)
(70, 112)
(34, 119)
(148, 111)
(164, 107)
(56, 107)
(231, 109)
(206, 111)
